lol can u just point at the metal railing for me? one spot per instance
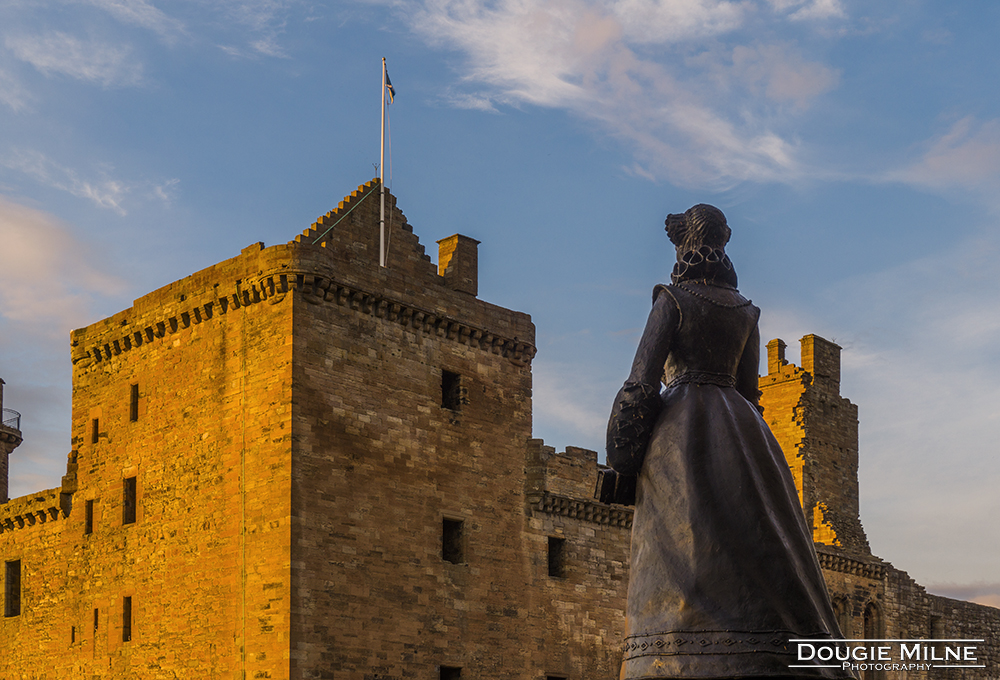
(12, 419)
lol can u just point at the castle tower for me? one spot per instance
(818, 432)
(10, 439)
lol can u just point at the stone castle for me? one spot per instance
(299, 464)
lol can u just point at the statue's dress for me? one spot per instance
(723, 570)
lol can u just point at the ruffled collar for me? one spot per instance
(706, 263)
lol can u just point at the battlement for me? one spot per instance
(820, 360)
(27, 511)
(818, 432)
(563, 484)
(279, 271)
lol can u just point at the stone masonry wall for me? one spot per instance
(206, 562)
(582, 608)
(818, 431)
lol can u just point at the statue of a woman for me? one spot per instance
(723, 571)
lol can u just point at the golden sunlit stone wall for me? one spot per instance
(818, 431)
(206, 559)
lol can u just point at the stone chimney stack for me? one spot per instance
(776, 356)
(458, 263)
(10, 439)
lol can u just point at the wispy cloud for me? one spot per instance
(90, 60)
(781, 74)
(573, 406)
(12, 93)
(966, 157)
(166, 190)
(105, 193)
(594, 59)
(265, 19)
(143, 14)
(979, 592)
(806, 10)
(47, 276)
(654, 21)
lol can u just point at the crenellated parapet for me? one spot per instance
(28, 511)
(562, 484)
(292, 269)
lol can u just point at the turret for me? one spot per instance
(10, 439)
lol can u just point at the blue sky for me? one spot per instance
(854, 146)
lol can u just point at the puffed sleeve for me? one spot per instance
(637, 405)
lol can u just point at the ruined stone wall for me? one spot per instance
(818, 432)
(206, 561)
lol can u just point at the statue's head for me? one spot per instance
(702, 225)
(701, 235)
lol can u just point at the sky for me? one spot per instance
(854, 147)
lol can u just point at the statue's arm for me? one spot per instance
(651, 355)
(638, 404)
(746, 372)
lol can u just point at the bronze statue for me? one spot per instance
(723, 571)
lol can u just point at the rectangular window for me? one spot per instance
(133, 403)
(96, 612)
(557, 557)
(451, 673)
(72, 634)
(12, 589)
(88, 518)
(451, 541)
(128, 504)
(451, 390)
(95, 426)
(127, 619)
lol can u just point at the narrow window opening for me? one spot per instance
(133, 403)
(555, 677)
(12, 589)
(451, 390)
(451, 673)
(128, 505)
(96, 612)
(451, 541)
(127, 619)
(95, 426)
(557, 557)
(88, 518)
(72, 634)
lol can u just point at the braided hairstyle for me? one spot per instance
(701, 235)
(701, 225)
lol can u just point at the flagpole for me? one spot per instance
(381, 180)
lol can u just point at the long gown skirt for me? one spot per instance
(723, 569)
